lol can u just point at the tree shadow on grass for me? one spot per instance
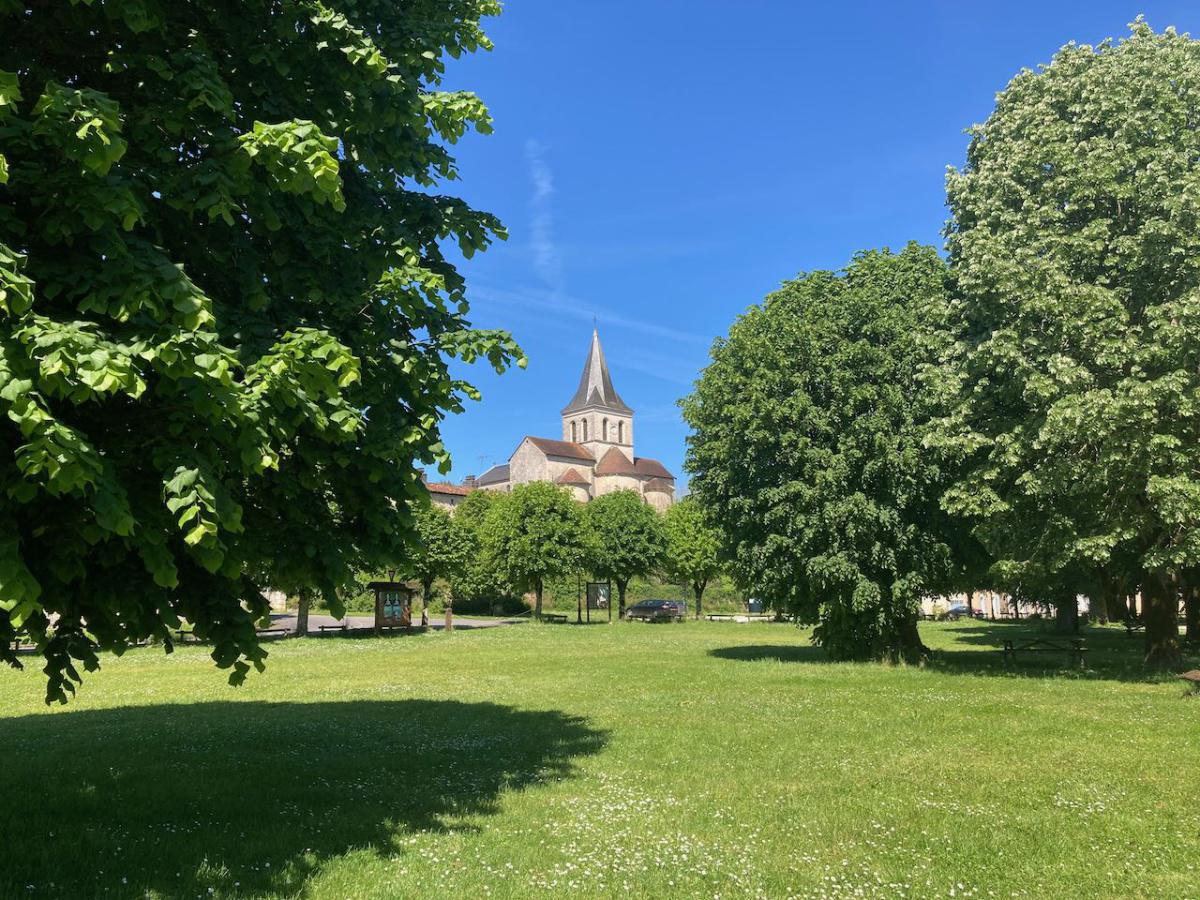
(776, 652)
(976, 649)
(1112, 654)
(181, 799)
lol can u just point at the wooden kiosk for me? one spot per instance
(393, 604)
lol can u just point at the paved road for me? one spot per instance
(316, 620)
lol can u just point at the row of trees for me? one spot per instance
(498, 544)
(1022, 415)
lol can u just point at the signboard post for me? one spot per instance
(599, 596)
(393, 604)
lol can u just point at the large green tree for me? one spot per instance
(442, 548)
(479, 579)
(807, 450)
(1075, 242)
(225, 313)
(627, 539)
(533, 534)
(693, 548)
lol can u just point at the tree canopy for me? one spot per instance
(1076, 374)
(807, 450)
(225, 313)
(535, 533)
(442, 547)
(627, 538)
(693, 547)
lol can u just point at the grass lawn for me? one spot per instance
(676, 760)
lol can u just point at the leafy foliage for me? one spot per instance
(441, 548)
(693, 547)
(627, 538)
(535, 533)
(1076, 373)
(225, 316)
(807, 450)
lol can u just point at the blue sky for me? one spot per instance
(664, 164)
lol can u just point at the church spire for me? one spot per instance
(595, 385)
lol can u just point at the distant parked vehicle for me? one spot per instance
(657, 611)
(962, 611)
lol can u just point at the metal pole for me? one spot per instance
(578, 599)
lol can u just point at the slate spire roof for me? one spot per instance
(595, 386)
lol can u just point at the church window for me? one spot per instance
(574, 431)
(604, 430)
(620, 432)
(585, 429)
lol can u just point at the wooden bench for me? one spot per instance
(273, 632)
(1137, 623)
(554, 617)
(1075, 648)
(341, 627)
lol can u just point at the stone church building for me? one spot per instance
(594, 456)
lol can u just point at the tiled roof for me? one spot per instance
(614, 462)
(571, 476)
(494, 475)
(661, 485)
(442, 487)
(651, 467)
(569, 449)
(595, 385)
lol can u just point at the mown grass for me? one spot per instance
(679, 760)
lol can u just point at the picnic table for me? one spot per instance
(554, 617)
(1137, 623)
(1075, 648)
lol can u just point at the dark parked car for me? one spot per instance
(657, 611)
(962, 611)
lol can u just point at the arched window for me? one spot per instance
(574, 431)
(620, 432)
(585, 429)
(604, 430)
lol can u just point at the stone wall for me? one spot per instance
(619, 430)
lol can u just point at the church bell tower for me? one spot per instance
(597, 417)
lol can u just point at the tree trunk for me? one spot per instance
(1066, 613)
(302, 604)
(1131, 606)
(426, 591)
(971, 604)
(698, 589)
(1098, 601)
(912, 649)
(537, 610)
(1191, 611)
(621, 585)
(1160, 612)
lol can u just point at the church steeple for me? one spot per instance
(595, 385)
(597, 417)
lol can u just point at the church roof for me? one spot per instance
(571, 476)
(661, 485)
(614, 462)
(494, 475)
(651, 467)
(569, 449)
(595, 385)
